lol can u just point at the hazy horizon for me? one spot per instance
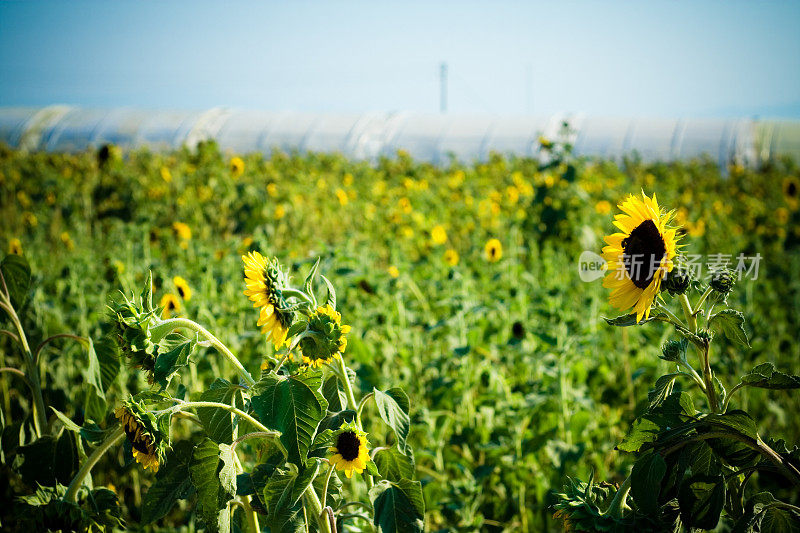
(699, 59)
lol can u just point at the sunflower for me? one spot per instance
(15, 246)
(791, 192)
(166, 175)
(438, 235)
(237, 167)
(451, 257)
(639, 257)
(493, 250)
(351, 450)
(182, 230)
(265, 280)
(393, 271)
(147, 445)
(184, 291)
(171, 304)
(327, 340)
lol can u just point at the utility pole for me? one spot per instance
(443, 88)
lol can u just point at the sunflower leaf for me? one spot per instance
(630, 320)
(17, 276)
(399, 506)
(282, 496)
(212, 496)
(294, 406)
(765, 376)
(393, 406)
(171, 361)
(731, 323)
(308, 286)
(394, 465)
(646, 476)
(173, 483)
(331, 300)
(219, 423)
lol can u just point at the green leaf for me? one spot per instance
(731, 323)
(646, 476)
(93, 375)
(173, 483)
(399, 506)
(778, 520)
(171, 361)
(701, 499)
(393, 406)
(308, 285)
(294, 406)
(765, 376)
(282, 495)
(212, 497)
(48, 460)
(737, 420)
(90, 431)
(394, 465)
(218, 423)
(108, 356)
(671, 413)
(337, 400)
(662, 389)
(331, 300)
(630, 320)
(17, 275)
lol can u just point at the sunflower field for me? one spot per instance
(199, 340)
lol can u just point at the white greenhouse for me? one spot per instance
(434, 138)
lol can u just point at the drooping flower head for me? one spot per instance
(265, 280)
(350, 450)
(148, 445)
(640, 255)
(326, 341)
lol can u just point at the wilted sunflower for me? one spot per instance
(350, 450)
(171, 304)
(791, 192)
(140, 427)
(327, 341)
(237, 167)
(638, 257)
(265, 280)
(493, 250)
(184, 291)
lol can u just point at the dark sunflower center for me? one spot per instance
(170, 305)
(180, 291)
(348, 445)
(141, 444)
(643, 250)
(791, 189)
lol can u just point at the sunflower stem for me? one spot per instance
(325, 487)
(39, 415)
(86, 467)
(188, 405)
(708, 377)
(174, 323)
(687, 311)
(351, 401)
(702, 299)
(314, 507)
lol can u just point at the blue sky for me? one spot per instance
(675, 58)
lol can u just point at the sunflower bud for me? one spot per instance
(674, 350)
(149, 439)
(676, 282)
(131, 330)
(324, 339)
(722, 281)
